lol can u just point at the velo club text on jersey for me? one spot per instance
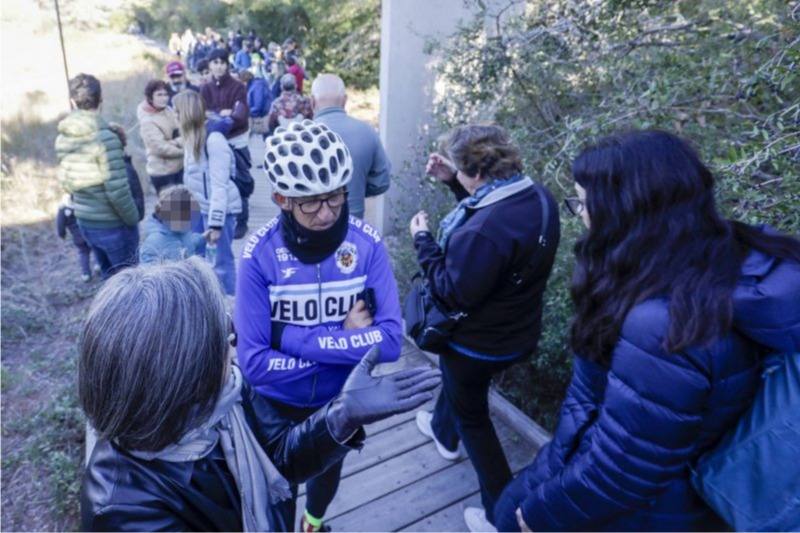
(311, 304)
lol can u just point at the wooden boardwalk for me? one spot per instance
(398, 481)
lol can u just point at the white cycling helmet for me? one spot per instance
(305, 159)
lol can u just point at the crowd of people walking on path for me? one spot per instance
(675, 306)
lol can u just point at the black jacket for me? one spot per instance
(495, 269)
(123, 493)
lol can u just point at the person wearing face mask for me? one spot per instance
(168, 232)
(158, 127)
(177, 79)
(315, 290)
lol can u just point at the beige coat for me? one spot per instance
(164, 153)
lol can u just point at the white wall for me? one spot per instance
(406, 82)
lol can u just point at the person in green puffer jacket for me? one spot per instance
(92, 170)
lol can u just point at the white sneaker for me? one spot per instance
(424, 424)
(475, 518)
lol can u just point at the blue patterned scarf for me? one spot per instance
(458, 216)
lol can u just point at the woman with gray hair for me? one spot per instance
(184, 443)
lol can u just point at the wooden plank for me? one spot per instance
(398, 509)
(387, 476)
(448, 519)
(452, 518)
(396, 420)
(381, 447)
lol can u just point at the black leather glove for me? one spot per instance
(365, 398)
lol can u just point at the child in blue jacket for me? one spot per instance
(169, 236)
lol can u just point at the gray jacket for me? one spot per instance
(209, 179)
(371, 167)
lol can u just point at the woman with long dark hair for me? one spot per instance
(674, 309)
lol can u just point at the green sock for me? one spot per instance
(311, 519)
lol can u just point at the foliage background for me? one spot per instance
(723, 73)
(341, 37)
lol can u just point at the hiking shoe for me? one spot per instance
(305, 527)
(424, 424)
(475, 518)
(241, 231)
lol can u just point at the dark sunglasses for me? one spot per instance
(312, 207)
(574, 205)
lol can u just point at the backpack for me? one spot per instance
(243, 179)
(752, 477)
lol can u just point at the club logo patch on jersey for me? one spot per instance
(347, 257)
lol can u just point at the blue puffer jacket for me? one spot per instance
(619, 458)
(162, 244)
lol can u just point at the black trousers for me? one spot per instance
(320, 489)
(462, 414)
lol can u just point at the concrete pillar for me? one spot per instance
(407, 83)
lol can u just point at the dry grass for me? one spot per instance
(43, 299)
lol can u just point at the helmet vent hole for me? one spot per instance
(297, 149)
(333, 165)
(323, 142)
(340, 156)
(282, 186)
(299, 187)
(306, 137)
(316, 156)
(290, 137)
(279, 170)
(293, 170)
(331, 136)
(308, 173)
(345, 174)
(323, 176)
(315, 131)
(274, 141)
(271, 157)
(283, 151)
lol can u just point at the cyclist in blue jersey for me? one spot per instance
(315, 290)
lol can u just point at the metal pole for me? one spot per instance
(63, 50)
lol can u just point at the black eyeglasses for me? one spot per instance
(574, 205)
(312, 207)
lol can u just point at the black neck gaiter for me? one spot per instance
(309, 246)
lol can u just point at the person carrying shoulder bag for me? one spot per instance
(489, 261)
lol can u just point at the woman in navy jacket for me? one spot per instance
(674, 308)
(491, 260)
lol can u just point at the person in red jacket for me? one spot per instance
(294, 68)
(227, 97)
